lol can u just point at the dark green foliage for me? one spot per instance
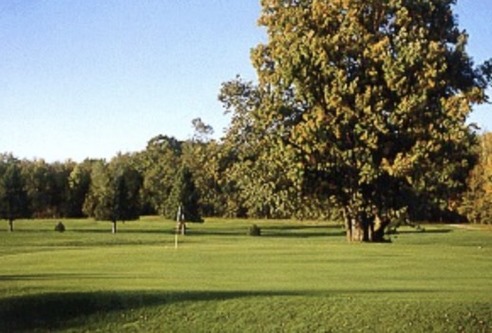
(14, 202)
(158, 166)
(48, 187)
(79, 182)
(259, 175)
(115, 191)
(184, 194)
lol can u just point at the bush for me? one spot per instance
(254, 230)
(60, 227)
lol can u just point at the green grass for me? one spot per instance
(296, 277)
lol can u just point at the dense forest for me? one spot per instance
(359, 115)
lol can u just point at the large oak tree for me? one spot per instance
(371, 97)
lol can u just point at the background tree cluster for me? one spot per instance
(359, 113)
(225, 178)
(476, 205)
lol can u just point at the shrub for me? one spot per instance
(254, 230)
(60, 227)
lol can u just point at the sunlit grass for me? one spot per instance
(297, 277)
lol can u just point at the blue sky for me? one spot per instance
(90, 78)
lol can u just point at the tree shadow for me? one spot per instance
(272, 234)
(123, 231)
(55, 276)
(217, 232)
(423, 231)
(55, 311)
(276, 231)
(302, 231)
(286, 227)
(89, 231)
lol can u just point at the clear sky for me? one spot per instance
(90, 78)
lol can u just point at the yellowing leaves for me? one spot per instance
(401, 166)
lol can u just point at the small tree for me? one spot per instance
(13, 196)
(114, 193)
(185, 195)
(157, 165)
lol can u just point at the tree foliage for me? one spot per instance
(184, 196)
(79, 182)
(13, 195)
(115, 192)
(255, 170)
(372, 98)
(477, 201)
(48, 187)
(159, 164)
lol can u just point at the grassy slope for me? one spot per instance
(296, 277)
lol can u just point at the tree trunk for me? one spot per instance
(11, 225)
(113, 229)
(363, 228)
(355, 227)
(348, 223)
(380, 225)
(358, 232)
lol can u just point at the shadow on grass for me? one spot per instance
(303, 227)
(123, 231)
(302, 231)
(267, 233)
(55, 276)
(217, 232)
(277, 231)
(423, 232)
(53, 311)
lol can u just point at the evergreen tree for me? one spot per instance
(185, 195)
(13, 195)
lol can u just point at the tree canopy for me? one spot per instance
(115, 192)
(372, 98)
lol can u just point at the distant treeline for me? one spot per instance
(221, 184)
